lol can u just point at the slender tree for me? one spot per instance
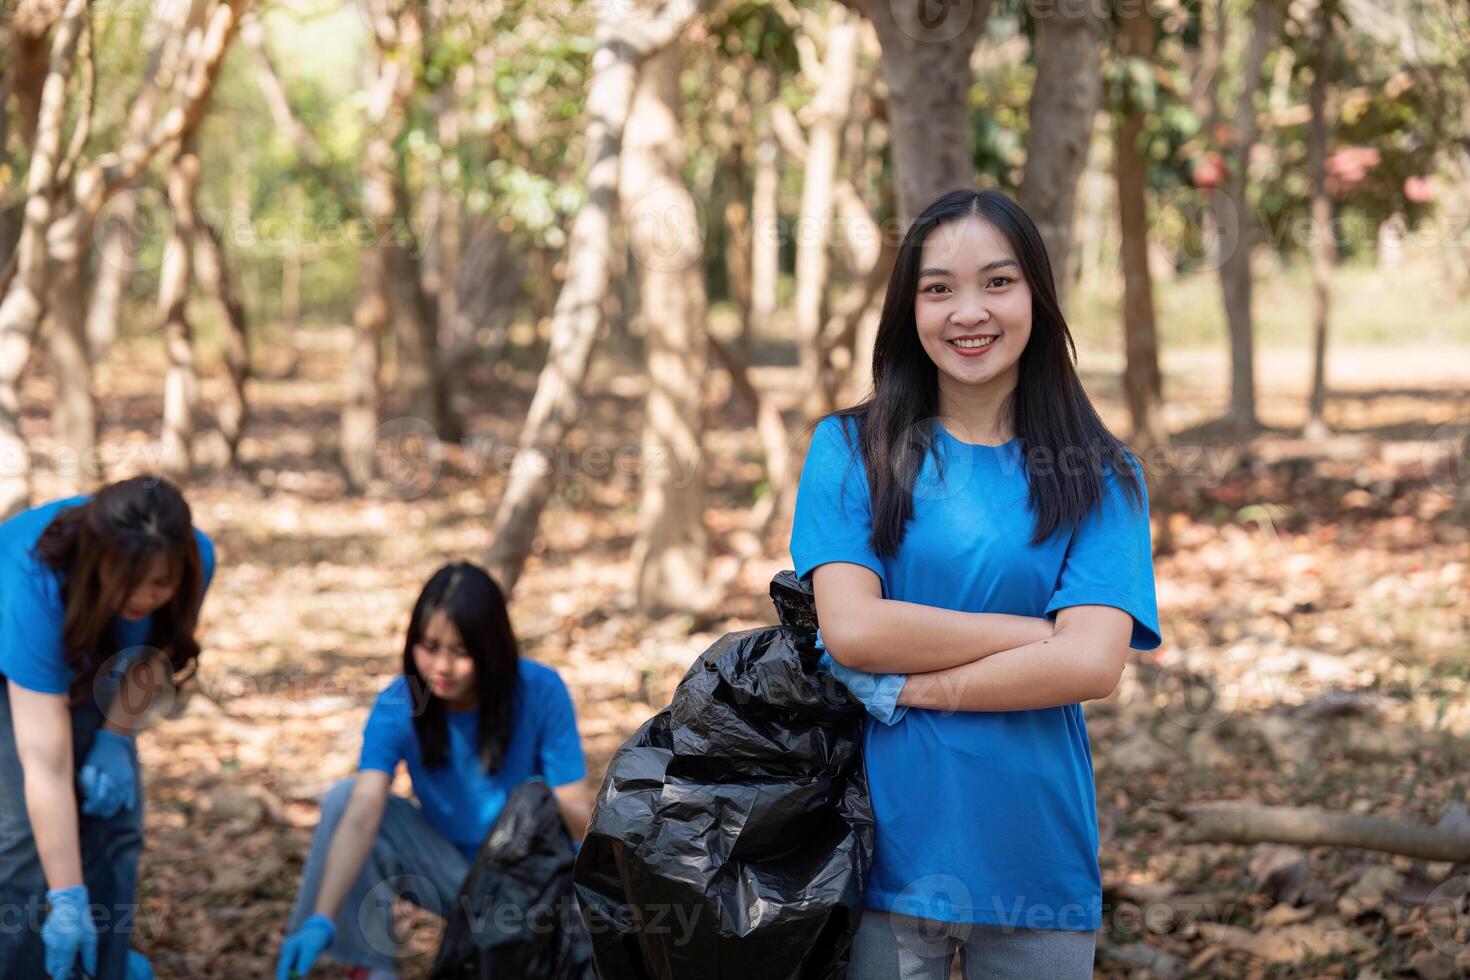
(1064, 102)
(1323, 244)
(1235, 263)
(626, 39)
(1142, 379)
(22, 306)
(671, 549)
(828, 110)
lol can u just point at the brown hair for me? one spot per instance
(102, 549)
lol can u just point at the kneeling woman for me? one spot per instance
(96, 595)
(472, 720)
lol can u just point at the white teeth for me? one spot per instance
(981, 342)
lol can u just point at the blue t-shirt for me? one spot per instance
(984, 817)
(32, 613)
(460, 799)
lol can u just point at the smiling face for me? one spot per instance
(160, 582)
(445, 663)
(972, 309)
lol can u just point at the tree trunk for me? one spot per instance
(927, 66)
(829, 111)
(490, 277)
(1250, 823)
(765, 220)
(419, 378)
(671, 550)
(1204, 79)
(1204, 102)
(181, 384)
(864, 244)
(120, 242)
(74, 413)
(626, 40)
(22, 306)
(1095, 210)
(737, 242)
(1142, 380)
(1064, 101)
(213, 275)
(865, 335)
(360, 414)
(1235, 265)
(455, 332)
(29, 27)
(1324, 245)
(390, 84)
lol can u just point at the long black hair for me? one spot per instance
(1053, 419)
(468, 596)
(102, 549)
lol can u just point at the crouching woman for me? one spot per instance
(472, 720)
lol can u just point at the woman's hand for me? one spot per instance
(302, 947)
(69, 933)
(879, 693)
(108, 778)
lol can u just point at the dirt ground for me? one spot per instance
(1298, 570)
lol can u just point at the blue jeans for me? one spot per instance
(110, 850)
(409, 859)
(899, 947)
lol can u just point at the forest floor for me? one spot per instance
(1316, 589)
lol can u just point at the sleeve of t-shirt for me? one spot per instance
(834, 522)
(1109, 562)
(206, 561)
(32, 651)
(834, 518)
(383, 735)
(560, 751)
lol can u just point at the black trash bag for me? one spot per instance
(734, 831)
(515, 917)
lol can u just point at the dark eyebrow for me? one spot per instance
(987, 267)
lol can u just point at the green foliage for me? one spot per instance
(999, 99)
(753, 30)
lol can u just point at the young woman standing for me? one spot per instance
(980, 555)
(98, 596)
(472, 720)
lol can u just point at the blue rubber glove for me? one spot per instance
(69, 933)
(878, 692)
(107, 777)
(301, 948)
(138, 966)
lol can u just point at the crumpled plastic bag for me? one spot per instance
(733, 832)
(515, 915)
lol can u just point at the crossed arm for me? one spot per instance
(959, 661)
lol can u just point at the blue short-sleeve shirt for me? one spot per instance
(460, 799)
(32, 613)
(984, 817)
